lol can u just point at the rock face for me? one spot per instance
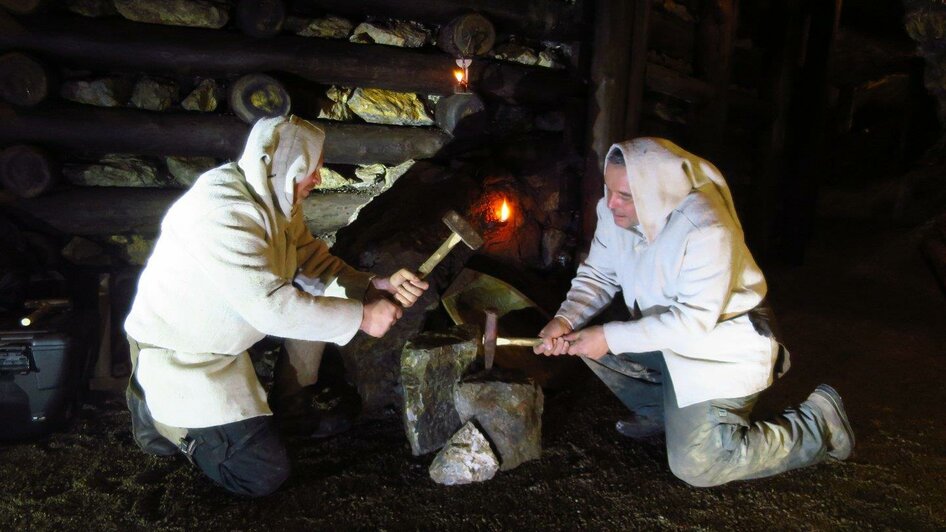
(925, 23)
(330, 27)
(393, 33)
(466, 458)
(91, 8)
(509, 412)
(153, 95)
(115, 170)
(194, 13)
(431, 366)
(205, 97)
(336, 105)
(106, 92)
(186, 170)
(379, 106)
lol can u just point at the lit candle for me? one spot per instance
(461, 80)
(504, 211)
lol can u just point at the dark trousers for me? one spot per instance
(245, 457)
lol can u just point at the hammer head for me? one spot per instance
(490, 332)
(463, 229)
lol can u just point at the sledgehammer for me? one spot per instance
(491, 339)
(460, 231)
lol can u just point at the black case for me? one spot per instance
(44, 371)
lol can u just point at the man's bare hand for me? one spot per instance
(404, 285)
(378, 316)
(552, 336)
(588, 342)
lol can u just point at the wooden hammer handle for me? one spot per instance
(444, 249)
(525, 342)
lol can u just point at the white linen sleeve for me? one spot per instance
(595, 282)
(319, 268)
(703, 285)
(230, 247)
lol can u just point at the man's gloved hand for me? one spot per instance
(378, 316)
(404, 285)
(553, 338)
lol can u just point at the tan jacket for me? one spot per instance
(221, 278)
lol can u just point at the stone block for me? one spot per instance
(467, 457)
(510, 413)
(431, 365)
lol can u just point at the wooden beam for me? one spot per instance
(716, 35)
(100, 210)
(540, 19)
(98, 130)
(607, 106)
(640, 37)
(116, 44)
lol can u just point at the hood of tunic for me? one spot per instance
(280, 152)
(661, 175)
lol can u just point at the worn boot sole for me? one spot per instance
(840, 450)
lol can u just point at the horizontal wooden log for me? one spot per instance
(97, 130)
(101, 211)
(23, 80)
(256, 96)
(27, 171)
(192, 51)
(260, 18)
(667, 81)
(541, 19)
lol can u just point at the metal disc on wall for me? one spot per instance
(256, 96)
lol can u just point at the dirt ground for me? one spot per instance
(863, 314)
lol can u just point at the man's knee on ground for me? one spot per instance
(699, 465)
(256, 484)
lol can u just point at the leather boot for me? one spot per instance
(143, 430)
(827, 400)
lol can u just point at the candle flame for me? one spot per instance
(504, 211)
(459, 75)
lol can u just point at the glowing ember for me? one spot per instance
(504, 211)
(459, 75)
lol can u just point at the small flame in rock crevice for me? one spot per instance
(504, 211)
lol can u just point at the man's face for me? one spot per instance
(619, 198)
(306, 185)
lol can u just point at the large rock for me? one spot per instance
(329, 27)
(333, 180)
(186, 170)
(466, 458)
(509, 412)
(205, 97)
(116, 170)
(194, 13)
(331, 210)
(379, 106)
(336, 105)
(153, 95)
(392, 33)
(84, 252)
(91, 8)
(431, 366)
(516, 53)
(105, 92)
(134, 249)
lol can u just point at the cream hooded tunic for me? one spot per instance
(221, 278)
(687, 268)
